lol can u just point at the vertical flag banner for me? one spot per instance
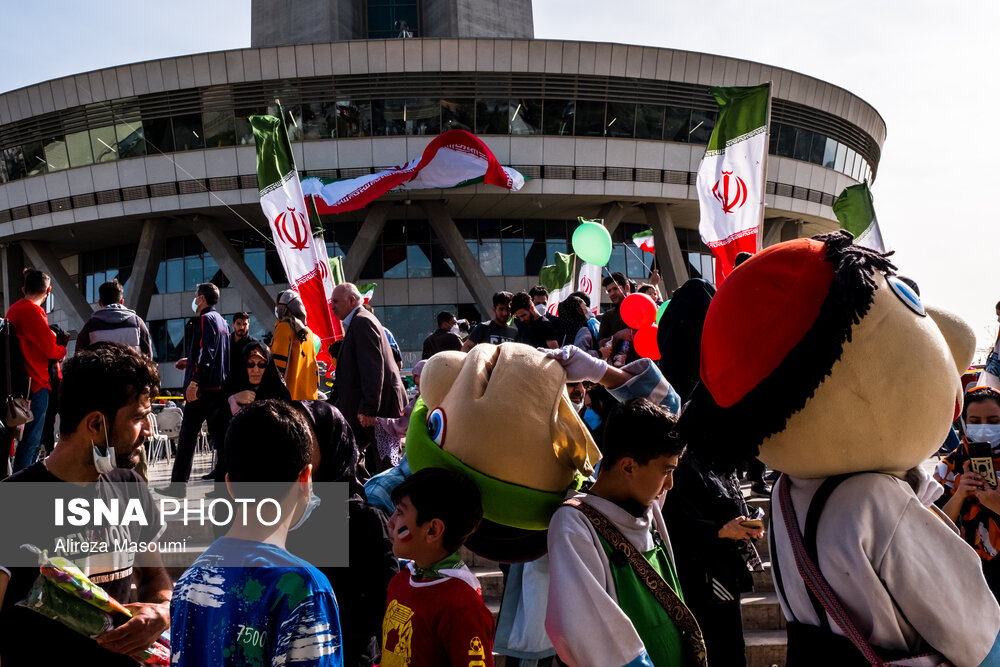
(337, 270)
(558, 279)
(589, 282)
(283, 204)
(644, 241)
(323, 260)
(731, 175)
(855, 209)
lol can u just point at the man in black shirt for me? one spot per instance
(496, 331)
(536, 330)
(444, 337)
(106, 393)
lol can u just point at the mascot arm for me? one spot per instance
(583, 619)
(647, 381)
(379, 488)
(961, 619)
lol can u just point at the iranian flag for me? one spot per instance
(644, 241)
(367, 291)
(589, 282)
(731, 175)
(452, 159)
(855, 209)
(558, 280)
(302, 255)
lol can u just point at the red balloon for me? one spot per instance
(638, 310)
(645, 342)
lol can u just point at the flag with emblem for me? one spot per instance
(302, 255)
(855, 209)
(731, 175)
(453, 159)
(558, 280)
(589, 282)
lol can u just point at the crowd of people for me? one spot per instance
(662, 506)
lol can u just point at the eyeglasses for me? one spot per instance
(259, 364)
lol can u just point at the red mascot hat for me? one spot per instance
(773, 332)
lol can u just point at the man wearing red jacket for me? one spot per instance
(38, 344)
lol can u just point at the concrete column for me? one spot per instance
(13, 270)
(673, 268)
(468, 268)
(612, 214)
(773, 233)
(237, 271)
(68, 294)
(147, 261)
(364, 242)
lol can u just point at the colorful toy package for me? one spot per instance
(63, 593)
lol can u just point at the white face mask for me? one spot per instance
(276, 313)
(194, 304)
(455, 330)
(984, 433)
(104, 463)
(577, 406)
(314, 502)
(540, 309)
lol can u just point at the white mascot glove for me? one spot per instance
(579, 365)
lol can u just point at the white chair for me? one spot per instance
(166, 430)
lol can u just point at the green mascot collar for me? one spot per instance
(503, 502)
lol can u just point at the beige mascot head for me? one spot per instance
(815, 352)
(501, 415)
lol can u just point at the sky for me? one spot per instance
(927, 68)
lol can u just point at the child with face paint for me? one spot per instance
(969, 500)
(435, 613)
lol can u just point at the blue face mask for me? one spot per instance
(592, 419)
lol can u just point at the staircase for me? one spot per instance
(763, 622)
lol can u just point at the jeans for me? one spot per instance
(27, 448)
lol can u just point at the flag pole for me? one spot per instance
(763, 181)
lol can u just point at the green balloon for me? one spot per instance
(661, 310)
(592, 243)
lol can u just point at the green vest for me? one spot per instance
(657, 631)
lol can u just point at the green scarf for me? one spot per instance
(433, 571)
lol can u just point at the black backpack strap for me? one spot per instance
(816, 506)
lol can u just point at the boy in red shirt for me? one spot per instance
(38, 344)
(435, 614)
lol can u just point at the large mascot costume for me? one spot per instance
(816, 354)
(501, 415)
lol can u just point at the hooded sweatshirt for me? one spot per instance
(117, 324)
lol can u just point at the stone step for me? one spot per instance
(491, 581)
(761, 611)
(475, 560)
(766, 648)
(763, 581)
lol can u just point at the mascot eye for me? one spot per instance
(907, 295)
(435, 426)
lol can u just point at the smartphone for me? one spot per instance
(981, 455)
(757, 524)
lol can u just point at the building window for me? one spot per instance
(389, 19)
(100, 266)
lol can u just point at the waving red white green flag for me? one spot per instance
(452, 159)
(644, 241)
(558, 279)
(302, 255)
(731, 175)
